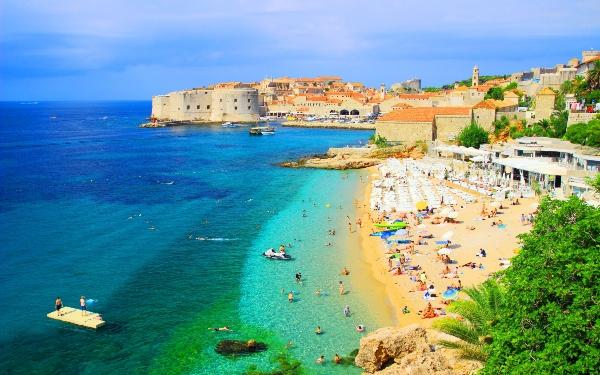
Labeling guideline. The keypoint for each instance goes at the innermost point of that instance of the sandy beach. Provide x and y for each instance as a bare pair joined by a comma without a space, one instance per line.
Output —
497,242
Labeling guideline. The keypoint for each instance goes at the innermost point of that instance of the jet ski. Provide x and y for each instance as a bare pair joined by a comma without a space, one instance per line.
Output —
272,254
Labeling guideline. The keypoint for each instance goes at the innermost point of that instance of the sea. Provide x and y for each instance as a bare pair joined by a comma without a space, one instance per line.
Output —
162,231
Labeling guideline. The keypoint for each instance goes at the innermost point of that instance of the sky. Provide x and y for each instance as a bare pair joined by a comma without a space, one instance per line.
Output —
119,49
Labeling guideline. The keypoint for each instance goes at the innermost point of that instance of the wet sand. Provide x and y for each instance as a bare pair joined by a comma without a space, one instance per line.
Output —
498,243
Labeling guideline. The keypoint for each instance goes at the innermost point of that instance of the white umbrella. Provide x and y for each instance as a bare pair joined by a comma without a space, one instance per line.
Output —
448,235
444,251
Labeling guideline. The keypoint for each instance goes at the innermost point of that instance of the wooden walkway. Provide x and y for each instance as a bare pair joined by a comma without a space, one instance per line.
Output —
74,316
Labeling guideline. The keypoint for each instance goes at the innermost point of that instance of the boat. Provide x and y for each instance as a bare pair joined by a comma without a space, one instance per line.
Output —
272,254
262,130
230,125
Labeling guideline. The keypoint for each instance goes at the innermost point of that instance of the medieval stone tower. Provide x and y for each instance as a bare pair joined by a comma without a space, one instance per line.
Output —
475,77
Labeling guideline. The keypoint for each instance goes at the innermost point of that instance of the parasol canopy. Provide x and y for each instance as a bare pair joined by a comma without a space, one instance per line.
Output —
421,205
450,294
444,251
448,235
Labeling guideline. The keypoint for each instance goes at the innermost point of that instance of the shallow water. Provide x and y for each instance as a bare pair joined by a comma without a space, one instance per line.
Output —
163,228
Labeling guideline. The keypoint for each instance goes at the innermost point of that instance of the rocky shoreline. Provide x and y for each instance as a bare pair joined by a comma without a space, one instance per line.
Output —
352,157
410,350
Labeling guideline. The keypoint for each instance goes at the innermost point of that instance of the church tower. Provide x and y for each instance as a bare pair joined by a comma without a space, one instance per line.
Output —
382,91
475,77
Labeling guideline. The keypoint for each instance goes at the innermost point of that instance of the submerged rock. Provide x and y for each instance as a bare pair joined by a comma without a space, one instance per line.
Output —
409,350
239,347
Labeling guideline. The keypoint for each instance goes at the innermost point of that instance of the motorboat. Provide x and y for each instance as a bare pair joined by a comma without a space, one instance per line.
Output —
230,125
262,130
272,254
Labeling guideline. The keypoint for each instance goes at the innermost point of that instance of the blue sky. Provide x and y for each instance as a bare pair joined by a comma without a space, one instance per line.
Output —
111,49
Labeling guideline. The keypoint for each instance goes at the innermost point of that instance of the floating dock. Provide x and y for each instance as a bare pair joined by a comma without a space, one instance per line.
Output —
86,319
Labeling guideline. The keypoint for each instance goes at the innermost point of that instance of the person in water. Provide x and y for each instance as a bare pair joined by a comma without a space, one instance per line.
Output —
337,359
341,289
218,329
318,293
345,272
282,249
58,305
83,305
318,330
320,360
291,296
298,277
360,328
347,311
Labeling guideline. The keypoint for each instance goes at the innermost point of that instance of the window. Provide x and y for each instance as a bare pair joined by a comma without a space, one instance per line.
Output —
198,106
235,100
208,107
249,107
220,100
188,107
235,108
248,100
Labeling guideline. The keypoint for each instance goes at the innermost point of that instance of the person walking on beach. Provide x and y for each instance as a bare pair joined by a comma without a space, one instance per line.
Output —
58,305
83,305
359,223
341,289
347,311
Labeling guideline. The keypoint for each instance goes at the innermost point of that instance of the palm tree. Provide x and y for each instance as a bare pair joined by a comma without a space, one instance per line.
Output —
477,317
593,77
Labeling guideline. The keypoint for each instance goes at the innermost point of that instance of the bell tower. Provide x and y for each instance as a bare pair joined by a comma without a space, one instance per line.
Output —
475,77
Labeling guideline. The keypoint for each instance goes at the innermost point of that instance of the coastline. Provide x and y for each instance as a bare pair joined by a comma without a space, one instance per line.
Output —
399,290
328,125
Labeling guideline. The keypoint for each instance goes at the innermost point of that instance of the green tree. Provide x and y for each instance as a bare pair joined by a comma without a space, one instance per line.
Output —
550,325
379,141
500,125
593,77
594,183
558,124
585,134
494,93
511,86
478,315
473,136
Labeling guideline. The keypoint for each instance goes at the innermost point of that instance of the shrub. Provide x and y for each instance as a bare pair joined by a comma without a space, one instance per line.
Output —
473,136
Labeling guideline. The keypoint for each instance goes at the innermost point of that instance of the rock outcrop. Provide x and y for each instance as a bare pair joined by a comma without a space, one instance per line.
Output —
337,158
410,350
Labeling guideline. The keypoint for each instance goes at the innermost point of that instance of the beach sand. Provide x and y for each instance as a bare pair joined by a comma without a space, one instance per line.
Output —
498,243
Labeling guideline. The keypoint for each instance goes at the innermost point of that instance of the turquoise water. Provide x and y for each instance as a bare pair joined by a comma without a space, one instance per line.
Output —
163,229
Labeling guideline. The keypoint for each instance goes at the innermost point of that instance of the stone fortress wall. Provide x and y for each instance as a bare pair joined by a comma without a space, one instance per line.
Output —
208,105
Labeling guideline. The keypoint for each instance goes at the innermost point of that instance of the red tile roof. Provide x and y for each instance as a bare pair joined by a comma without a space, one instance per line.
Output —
424,114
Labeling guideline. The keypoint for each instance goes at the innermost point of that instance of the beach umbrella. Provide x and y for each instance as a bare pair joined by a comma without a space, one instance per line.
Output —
421,205
443,242
448,235
495,204
445,251
450,294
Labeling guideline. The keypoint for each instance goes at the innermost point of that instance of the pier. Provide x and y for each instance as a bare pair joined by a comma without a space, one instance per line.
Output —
86,319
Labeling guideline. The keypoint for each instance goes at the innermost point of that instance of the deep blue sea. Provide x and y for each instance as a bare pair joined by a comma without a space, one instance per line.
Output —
162,230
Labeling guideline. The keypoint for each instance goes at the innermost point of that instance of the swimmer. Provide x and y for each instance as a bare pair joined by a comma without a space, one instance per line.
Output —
318,330
218,329
360,328
299,277
337,359
318,293
345,272
341,289
320,360
291,296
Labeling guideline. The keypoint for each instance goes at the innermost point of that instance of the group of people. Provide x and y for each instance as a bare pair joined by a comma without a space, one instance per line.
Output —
58,305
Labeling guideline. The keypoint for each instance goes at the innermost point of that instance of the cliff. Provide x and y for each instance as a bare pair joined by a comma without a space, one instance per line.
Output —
410,350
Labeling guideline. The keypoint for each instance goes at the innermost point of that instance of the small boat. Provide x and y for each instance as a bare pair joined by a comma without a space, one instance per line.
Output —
272,254
230,125
262,130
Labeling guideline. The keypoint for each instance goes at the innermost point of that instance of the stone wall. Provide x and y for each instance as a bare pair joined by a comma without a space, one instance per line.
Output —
447,127
208,105
485,117
405,132
576,117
